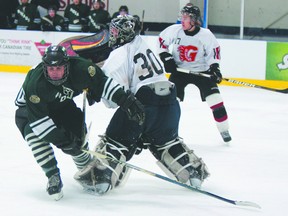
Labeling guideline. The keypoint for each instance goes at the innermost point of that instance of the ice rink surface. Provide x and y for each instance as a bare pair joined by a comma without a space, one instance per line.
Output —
253,167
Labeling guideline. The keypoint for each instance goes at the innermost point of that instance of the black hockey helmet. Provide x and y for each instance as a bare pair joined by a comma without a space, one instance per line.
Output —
123,29
55,56
193,12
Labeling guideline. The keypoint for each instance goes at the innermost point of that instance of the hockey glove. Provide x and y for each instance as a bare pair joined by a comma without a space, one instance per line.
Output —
168,61
216,75
90,98
133,107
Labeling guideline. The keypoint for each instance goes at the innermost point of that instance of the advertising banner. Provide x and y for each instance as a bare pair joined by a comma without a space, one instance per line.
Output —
277,61
26,48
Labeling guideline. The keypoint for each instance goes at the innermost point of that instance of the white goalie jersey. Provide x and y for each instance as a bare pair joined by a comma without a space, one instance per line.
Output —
195,53
133,65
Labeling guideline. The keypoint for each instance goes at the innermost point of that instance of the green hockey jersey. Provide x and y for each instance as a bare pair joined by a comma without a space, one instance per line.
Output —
40,96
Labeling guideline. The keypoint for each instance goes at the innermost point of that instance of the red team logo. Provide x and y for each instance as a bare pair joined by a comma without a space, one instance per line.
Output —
187,53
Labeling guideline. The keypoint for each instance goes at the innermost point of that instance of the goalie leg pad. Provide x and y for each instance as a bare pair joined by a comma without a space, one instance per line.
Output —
102,175
182,163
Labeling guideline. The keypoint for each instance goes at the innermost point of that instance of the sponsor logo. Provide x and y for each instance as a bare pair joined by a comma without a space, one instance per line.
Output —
41,46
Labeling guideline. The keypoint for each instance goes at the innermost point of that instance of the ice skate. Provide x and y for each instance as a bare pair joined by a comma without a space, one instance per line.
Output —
54,187
226,136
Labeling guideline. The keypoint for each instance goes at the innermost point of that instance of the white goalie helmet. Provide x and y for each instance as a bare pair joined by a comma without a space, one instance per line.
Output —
123,29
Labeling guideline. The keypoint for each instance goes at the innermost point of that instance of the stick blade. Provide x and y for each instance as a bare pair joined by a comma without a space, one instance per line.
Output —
248,204
285,91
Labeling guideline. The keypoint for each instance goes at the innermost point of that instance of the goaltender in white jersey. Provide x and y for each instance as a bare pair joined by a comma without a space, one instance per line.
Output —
135,66
141,69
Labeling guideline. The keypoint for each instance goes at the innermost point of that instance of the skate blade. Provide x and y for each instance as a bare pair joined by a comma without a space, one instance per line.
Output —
57,196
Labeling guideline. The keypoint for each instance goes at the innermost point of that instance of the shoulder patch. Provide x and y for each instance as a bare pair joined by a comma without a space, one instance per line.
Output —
34,99
91,71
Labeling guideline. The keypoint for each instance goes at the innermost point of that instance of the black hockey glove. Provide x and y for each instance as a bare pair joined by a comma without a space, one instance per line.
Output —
90,98
169,62
216,75
133,107
72,147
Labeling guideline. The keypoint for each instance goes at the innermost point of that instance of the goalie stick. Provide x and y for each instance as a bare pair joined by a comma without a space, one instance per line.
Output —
285,91
234,202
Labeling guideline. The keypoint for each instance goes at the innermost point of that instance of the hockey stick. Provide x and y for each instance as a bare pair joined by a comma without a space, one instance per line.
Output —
84,117
142,22
285,91
234,202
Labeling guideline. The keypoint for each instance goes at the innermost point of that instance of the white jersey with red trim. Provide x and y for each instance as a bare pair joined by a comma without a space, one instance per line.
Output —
134,65
195,53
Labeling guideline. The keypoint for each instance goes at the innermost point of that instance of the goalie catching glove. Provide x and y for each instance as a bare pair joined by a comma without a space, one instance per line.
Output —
216,75
169,62
133,107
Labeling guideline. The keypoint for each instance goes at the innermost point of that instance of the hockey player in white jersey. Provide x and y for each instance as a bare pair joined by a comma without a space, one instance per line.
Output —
134,65
195,49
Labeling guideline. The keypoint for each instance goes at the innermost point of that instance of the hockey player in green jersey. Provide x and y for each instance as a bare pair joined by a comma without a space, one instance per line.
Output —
27,16
52,21
47,113
76,16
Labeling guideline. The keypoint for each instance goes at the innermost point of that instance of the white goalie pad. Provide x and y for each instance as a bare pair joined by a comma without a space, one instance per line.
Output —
193,170
102,175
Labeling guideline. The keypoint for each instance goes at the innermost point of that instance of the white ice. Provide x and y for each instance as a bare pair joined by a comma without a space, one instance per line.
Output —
253,167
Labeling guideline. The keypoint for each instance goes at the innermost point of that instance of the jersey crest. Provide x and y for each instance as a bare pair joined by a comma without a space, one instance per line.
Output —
187,53
34,99
66,94
91,71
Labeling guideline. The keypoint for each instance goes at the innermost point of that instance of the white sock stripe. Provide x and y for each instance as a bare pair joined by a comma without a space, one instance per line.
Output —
29,136
81,162
84,154
47,159
38,150
44,154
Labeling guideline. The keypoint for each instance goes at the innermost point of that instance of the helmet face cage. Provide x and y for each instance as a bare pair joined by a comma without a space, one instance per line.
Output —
193,12
123,29
55,56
